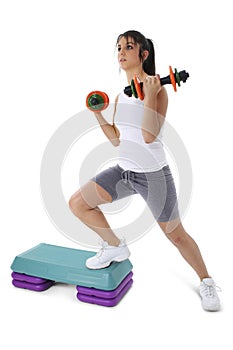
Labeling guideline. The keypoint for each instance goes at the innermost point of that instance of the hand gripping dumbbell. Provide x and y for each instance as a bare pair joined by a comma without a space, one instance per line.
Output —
174,78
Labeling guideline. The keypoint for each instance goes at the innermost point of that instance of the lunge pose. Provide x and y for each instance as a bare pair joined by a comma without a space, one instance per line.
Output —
142,167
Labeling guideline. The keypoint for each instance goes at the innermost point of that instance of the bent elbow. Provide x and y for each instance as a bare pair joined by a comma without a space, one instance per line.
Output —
115,142
149,139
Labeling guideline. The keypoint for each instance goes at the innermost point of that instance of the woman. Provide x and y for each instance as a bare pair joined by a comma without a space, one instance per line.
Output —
142,167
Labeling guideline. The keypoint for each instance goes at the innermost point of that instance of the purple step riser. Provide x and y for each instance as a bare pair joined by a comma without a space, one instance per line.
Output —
27,278
103,301
106,294
32,286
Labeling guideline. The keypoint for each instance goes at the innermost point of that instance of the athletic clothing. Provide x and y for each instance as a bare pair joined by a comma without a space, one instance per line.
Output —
134,153
142,168
156,188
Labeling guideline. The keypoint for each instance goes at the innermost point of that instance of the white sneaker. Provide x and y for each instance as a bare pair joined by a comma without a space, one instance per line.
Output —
209,296
108,254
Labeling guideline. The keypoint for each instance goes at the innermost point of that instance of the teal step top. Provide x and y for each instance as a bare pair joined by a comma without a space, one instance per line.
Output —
67,265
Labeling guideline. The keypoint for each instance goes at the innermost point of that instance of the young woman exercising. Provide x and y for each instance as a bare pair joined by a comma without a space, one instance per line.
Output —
142,168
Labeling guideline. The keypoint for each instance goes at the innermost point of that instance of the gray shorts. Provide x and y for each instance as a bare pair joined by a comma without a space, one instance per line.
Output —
157,189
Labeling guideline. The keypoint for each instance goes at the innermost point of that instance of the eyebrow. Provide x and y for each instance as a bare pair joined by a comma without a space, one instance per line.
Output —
128,42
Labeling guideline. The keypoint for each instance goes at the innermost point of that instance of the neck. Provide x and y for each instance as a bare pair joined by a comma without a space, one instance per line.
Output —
138,72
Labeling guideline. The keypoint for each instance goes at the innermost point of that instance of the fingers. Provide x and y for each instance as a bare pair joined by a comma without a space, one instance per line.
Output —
151,85
152,78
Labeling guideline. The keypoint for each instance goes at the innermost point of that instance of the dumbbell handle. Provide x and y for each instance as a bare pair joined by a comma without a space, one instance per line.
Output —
183,76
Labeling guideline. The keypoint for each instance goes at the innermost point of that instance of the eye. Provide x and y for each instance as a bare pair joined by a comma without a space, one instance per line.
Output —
119,49
129,47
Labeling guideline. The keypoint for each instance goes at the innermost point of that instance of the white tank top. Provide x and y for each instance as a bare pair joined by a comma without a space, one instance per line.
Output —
135,154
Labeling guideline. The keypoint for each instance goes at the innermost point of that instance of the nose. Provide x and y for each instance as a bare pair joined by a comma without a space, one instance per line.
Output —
121,52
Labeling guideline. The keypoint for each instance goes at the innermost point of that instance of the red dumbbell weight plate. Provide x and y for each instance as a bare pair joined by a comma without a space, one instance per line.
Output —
97,101
172,77
138,88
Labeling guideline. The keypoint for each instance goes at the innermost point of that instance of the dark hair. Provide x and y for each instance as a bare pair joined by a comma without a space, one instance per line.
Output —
145,44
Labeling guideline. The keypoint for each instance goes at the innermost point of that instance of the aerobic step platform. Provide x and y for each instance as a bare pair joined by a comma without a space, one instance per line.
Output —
40,267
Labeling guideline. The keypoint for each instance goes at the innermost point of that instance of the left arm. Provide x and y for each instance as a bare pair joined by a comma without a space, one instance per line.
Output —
155,108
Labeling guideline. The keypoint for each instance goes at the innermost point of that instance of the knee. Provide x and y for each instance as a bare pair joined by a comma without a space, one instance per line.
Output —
77,204
73,203
175,233
178,239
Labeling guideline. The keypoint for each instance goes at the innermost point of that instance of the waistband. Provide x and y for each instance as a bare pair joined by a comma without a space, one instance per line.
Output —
127,175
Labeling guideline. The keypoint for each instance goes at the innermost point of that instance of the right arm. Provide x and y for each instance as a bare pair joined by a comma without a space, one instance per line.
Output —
110,130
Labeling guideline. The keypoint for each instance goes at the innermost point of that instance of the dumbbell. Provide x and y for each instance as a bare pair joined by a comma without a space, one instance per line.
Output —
174,78
97,101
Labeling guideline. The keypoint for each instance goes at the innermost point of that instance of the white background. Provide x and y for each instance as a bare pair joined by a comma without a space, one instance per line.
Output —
52,54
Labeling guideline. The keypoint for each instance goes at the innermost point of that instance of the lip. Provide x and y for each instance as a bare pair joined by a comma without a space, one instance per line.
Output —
122,60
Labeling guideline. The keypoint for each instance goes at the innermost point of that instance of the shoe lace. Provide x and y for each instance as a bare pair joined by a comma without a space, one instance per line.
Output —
210,290
103,246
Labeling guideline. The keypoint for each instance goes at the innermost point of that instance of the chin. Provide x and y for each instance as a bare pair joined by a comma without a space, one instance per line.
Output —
123,67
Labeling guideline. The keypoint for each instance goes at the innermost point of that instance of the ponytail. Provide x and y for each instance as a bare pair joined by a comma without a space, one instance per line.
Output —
149,64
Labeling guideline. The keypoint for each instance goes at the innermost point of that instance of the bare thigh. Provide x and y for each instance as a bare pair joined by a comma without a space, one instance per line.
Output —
90,195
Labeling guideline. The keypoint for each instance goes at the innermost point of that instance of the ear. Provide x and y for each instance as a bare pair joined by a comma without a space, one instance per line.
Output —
145,55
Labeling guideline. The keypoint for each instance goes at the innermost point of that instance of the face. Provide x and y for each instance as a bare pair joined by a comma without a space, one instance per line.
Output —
128,54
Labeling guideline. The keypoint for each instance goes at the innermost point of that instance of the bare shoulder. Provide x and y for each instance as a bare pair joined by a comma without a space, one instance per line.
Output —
115,105
116,99
162,101
113,119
